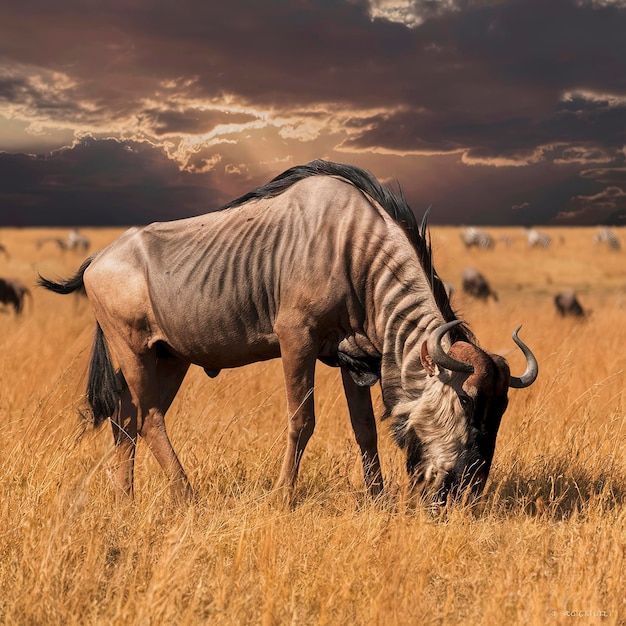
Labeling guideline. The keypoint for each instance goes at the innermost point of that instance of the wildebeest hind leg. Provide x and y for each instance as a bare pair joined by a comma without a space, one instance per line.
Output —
124,424
152,384
364,427
170,373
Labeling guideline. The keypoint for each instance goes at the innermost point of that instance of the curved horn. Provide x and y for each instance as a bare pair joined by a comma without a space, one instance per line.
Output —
532,367
438,354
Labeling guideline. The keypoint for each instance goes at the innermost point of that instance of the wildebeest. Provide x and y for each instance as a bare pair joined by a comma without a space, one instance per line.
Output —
472,237
567,304
476,285
322,262
13,292
73,241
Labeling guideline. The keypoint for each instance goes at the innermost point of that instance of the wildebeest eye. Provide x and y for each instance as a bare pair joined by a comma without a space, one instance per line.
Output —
467,404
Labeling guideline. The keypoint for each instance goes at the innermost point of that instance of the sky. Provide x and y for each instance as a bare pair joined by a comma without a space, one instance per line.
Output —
492,112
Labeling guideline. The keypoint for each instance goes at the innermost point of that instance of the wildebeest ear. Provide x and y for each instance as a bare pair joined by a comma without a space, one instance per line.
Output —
365,372
427,362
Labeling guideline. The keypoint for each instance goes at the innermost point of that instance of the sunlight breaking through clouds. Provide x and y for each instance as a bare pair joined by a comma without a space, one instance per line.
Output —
527,92
600,4
414,13
591,98
399,11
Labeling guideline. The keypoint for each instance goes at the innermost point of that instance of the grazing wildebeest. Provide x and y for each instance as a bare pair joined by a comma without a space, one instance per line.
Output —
476,285
13,291
73,241
567,304
323,262
472,237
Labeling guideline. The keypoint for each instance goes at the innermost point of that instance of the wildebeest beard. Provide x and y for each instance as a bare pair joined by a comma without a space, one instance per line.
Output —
466,479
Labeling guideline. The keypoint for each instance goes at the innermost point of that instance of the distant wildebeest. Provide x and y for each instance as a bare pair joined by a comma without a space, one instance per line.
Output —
538,239
322,262
74,241
608,237
476,285
472,237
567,304
13,292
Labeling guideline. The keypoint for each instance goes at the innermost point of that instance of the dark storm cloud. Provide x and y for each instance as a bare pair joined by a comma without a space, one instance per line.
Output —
193,121
610,176
577,122
509,78
11,88
535,83
99,183
501,59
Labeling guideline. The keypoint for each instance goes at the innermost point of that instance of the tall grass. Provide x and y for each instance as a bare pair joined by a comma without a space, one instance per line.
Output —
545,545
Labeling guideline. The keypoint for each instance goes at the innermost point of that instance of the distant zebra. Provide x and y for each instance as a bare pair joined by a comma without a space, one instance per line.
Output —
607,236
74,241
473,237
537,239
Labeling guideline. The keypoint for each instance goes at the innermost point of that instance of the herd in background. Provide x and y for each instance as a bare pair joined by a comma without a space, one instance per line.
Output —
477,286
74,241
13,291
474,238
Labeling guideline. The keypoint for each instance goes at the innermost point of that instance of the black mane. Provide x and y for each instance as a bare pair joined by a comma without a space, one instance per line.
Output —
395,205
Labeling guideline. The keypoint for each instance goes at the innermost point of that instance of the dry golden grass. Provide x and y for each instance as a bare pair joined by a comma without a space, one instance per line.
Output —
545,546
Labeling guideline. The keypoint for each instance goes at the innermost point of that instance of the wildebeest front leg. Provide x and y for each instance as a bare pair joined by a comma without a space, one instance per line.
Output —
298,358
364,427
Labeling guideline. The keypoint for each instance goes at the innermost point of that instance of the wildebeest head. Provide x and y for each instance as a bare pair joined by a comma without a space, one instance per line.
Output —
450,430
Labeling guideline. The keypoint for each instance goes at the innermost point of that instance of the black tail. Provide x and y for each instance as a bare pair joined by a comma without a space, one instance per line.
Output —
71,284
103,385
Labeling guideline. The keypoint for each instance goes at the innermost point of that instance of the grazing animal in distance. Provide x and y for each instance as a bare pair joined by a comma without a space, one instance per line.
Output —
60,243
476,285
567,304
13,291
608,237
74,241
4,251
323,262
538,239
472,237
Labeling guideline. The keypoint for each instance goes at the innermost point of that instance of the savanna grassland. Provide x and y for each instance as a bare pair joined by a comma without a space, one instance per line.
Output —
545,545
